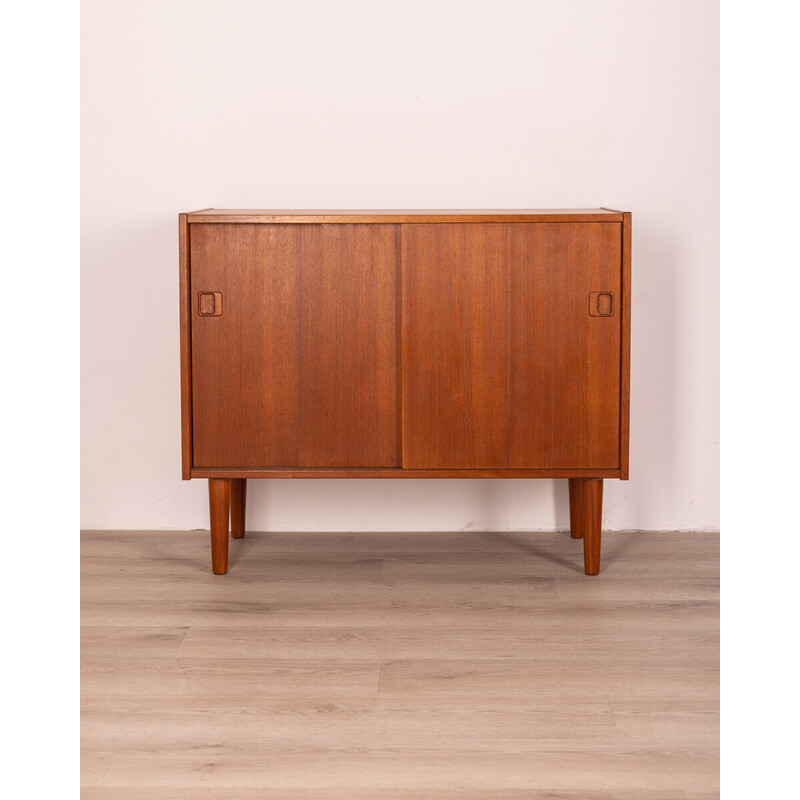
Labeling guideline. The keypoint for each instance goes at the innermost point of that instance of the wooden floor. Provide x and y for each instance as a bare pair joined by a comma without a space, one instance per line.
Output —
400,665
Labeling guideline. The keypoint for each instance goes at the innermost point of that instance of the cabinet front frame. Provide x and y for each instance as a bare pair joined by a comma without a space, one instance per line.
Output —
188,470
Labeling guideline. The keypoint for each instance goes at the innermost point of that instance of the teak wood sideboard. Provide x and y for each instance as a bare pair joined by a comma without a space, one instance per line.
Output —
405,344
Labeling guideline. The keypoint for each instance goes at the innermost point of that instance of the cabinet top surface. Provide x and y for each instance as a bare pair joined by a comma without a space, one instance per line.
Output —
406,216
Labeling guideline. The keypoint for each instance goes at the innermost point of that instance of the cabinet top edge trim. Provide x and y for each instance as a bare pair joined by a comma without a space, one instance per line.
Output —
404,216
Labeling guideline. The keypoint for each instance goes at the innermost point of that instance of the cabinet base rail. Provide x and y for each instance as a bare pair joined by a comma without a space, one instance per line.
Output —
227,502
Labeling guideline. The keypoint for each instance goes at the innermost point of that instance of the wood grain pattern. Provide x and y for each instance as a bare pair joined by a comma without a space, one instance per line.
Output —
373,216
397,665
301,368
502,365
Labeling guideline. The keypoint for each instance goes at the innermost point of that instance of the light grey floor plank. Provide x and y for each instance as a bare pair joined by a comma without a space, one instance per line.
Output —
452,665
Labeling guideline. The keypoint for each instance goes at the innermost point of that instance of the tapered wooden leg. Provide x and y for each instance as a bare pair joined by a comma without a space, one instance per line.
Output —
238,504
575,508
219,501
592,501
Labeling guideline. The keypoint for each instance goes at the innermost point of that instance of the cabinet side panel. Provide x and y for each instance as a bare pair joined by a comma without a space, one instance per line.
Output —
299,369
625,366
186,348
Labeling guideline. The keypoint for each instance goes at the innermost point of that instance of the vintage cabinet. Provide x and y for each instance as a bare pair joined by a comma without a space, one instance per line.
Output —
392,344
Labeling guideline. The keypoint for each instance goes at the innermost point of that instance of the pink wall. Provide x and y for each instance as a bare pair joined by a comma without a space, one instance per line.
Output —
436,103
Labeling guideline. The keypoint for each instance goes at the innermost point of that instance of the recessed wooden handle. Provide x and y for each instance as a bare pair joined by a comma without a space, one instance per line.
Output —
601,304
209,304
